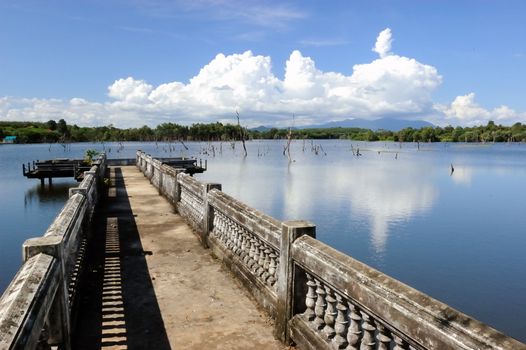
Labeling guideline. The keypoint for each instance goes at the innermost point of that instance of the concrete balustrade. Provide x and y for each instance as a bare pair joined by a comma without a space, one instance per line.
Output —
319,297
191,204
37,308
348,304
27,302
247,241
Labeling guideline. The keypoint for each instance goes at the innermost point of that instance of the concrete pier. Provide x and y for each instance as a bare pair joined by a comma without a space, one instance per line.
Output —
118,269
151,285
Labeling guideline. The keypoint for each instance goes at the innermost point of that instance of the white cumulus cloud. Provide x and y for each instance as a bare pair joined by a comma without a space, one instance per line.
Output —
383,43
130,90
464,110
389,86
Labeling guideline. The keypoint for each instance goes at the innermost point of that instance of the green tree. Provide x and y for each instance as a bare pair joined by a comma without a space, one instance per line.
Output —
52,125
62,126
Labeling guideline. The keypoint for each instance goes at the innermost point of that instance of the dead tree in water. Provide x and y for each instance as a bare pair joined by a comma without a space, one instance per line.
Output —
289,140
182,143
242,133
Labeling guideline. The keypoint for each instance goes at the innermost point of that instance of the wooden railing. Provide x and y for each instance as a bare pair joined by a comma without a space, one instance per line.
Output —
37,308
319,297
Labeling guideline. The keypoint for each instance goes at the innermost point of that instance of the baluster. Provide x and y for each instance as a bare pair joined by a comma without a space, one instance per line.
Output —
227,232
248,258
261,262
228,225
400,344
383,336
239,241
266,264
320,306
215,222
242,243
235,238
276,272
222,227
340,328
255,263
272,268
368,340
222,230
330,313
354,333
310,300
240,238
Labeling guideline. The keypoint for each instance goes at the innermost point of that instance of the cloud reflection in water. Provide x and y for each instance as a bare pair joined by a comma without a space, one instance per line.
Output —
379,193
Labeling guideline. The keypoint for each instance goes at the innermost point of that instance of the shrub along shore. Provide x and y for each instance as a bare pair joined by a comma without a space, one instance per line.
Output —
52,131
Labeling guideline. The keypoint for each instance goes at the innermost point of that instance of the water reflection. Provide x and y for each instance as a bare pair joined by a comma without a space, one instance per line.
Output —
404,215
462,175
373,192
387,193
39,194
376,192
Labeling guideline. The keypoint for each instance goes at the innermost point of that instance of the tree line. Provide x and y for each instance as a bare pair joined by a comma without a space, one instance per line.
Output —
484,133
52,131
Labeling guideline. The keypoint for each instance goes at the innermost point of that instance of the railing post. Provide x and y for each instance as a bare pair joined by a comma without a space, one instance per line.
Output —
177,195
59,315
161,179
208,216
289,282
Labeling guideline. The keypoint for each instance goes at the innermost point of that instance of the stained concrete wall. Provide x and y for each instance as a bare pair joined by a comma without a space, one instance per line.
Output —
43,292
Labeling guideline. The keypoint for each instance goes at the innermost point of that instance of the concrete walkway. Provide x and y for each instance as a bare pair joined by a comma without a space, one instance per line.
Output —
152,286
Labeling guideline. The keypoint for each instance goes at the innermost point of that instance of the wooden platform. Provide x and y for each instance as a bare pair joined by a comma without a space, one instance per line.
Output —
75,168
49,169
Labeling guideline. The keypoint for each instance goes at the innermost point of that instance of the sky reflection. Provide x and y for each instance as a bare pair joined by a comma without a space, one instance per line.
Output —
457,237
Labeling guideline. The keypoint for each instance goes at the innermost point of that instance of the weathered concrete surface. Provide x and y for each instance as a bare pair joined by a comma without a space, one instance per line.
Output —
154,286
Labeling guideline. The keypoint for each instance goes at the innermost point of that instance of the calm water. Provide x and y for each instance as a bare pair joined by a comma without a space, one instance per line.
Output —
459,237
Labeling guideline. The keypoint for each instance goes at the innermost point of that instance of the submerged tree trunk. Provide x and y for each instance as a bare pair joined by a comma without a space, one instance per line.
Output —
286,149
242,134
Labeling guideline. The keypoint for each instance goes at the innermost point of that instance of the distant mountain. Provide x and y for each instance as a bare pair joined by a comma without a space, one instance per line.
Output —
260,128
391,124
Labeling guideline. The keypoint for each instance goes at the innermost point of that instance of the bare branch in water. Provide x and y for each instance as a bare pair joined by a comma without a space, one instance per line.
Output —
242,133
185,147
286,149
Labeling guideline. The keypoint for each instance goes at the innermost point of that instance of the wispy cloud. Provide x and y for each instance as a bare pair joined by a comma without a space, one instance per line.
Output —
323,42
259,13
136,29
254,36
146,30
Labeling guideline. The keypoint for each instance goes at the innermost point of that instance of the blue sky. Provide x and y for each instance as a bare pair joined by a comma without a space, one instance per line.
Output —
132,62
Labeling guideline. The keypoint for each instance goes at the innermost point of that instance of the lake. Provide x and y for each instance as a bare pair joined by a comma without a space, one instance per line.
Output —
459,236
